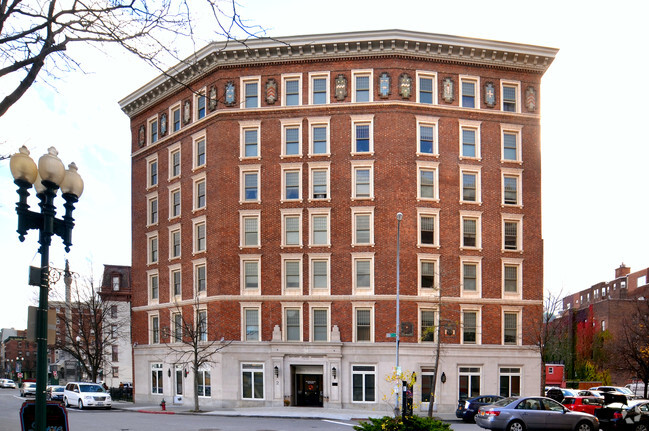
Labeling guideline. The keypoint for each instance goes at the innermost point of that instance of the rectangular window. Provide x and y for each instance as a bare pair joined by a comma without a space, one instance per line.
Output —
153,172
509,96
200,232
426,139
427,379
156,378
201,325
251,147
362,141
153,131
319,135
153,211
292,230
252,381
153,249
293,332
468,94
251,186
174,203
510,382
511,235
427,274
320,325
363,273
510,146
426,86
199,148
174,244
251,94
469,143
427,183
363,383
319,274
155,330
250,231
362,229
199,190
320,183
175,164
362,182
292,185
363,324
320,229
251,274
362,90
292,92
427,229
204,383
292,141
469,277
178,327
510,328
427,328
175,119
200,106
469,232
252,324
469,382
469,327
200,278
511,278
115,372
319,87
469,183
292,274
114,353
510,192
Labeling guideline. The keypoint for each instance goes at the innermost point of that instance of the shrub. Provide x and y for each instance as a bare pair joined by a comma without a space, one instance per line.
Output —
410,423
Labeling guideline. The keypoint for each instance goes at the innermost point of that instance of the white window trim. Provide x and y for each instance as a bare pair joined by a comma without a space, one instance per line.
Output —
435,291
363,305
243,258
362,164
195,223
515,129
197,179
242,90
149,275
201,92
172,149
149,237
195,264
292,305
362,211
430,122
362,257
319,75
351,371
248,169
476,81
291,77
519,324
291,167
247,306
477,260
478,241
471,169
319,306
172,189
319,122
173,229
426,74
249,125
292,257
172,108
196,138
426,306
470,124
203,369
314,166
201,308
518,218
428,166
149,161
516,84
263,373
151,316
175,268
291,124
360,120
320,257
478,335
149,198
363,72
434,212
291,212
512,172
317,212
243,214
149,136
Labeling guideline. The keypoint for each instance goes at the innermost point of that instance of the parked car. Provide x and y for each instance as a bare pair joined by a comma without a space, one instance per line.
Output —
28,388
54,393
82,394
7,383
623,414
467,408
590,393
583,404
558,394
625,391
533,414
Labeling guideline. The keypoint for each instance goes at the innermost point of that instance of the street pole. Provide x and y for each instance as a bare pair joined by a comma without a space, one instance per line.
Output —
398,390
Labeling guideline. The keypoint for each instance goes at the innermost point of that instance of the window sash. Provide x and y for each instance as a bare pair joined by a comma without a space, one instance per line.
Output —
427,274
470,327
468,94
362,182
427,330
469,142
511,278
252,324
292,230
251,274
469,271
319,91
320,325
320,228
319,184
292,274
509,98
426,90
363,325
250,143
363,228
250,186
293,325
511,190
427,227
427,183
363,274
251,94
292,92
362,138
251,231
469,232
469,187
292,138
510,328
362,88
320,274
200,152
200,278
426,139
510,146
511,236
319,139
292,184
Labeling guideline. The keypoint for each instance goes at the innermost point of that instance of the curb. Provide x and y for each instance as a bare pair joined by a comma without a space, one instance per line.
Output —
155,413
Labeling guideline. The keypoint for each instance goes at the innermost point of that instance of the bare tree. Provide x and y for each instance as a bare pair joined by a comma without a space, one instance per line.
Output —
189,341
632,345
548,331
35,35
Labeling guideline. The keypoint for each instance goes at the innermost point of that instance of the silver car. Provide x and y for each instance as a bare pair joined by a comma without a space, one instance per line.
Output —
532,414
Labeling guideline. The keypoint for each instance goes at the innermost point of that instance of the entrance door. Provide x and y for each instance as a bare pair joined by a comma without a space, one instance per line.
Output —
178,378
308,390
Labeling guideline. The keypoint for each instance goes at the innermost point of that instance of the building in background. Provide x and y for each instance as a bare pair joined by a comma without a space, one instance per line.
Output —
267,179
18,357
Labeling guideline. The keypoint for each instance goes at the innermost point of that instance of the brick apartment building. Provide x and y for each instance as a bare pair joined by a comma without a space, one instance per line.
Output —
265,191
18,357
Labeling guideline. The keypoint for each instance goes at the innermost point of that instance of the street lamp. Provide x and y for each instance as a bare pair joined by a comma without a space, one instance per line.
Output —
398,389
47,178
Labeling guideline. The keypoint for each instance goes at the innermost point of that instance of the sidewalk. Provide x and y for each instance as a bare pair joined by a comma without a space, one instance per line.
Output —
274,412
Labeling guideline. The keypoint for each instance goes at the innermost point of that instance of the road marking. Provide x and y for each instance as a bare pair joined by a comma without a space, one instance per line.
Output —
337,423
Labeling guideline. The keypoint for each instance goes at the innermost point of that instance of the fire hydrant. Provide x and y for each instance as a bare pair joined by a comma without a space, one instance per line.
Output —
163,404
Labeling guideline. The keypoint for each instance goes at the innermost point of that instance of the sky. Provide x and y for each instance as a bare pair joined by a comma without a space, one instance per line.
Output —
593,154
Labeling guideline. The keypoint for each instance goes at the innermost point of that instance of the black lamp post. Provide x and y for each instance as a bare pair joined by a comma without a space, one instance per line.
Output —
46,179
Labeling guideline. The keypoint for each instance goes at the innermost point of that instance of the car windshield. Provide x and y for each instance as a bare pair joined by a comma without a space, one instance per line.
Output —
91,388
59,389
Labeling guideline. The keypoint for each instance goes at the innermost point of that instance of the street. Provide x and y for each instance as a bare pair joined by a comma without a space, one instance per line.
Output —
122,420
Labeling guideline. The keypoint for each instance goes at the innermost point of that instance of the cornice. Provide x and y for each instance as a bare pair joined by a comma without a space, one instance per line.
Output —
337,46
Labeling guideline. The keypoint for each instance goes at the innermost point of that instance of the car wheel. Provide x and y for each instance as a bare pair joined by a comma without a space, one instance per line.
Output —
641,427
584,426
517,426
65,402
80,405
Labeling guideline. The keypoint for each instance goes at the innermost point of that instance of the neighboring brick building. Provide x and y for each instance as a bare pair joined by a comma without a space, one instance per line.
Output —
18,357
265,191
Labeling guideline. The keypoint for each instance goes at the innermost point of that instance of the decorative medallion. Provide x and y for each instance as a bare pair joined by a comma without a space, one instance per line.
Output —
530,99
230,98
212,98
271,91
489,95
141,136
163,124
405,86
384,85
448,90
187,112
341,87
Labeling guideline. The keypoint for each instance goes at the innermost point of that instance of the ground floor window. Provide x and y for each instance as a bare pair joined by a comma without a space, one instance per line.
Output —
156,378
510,382
204,383
179,379
427,378
469,382
252,381
363,383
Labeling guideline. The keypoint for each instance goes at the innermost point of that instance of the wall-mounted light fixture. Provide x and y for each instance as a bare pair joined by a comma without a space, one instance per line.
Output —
186,372
334,373
443,378
169,372
276,371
